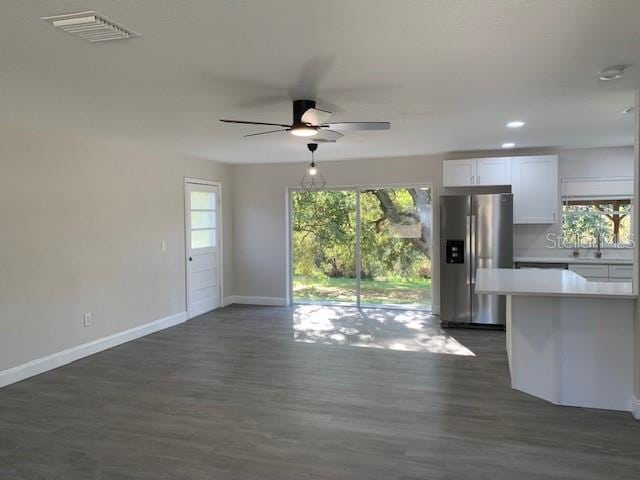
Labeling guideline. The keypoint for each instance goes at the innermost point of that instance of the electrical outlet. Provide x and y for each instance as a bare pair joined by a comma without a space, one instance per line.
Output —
163,246
88,320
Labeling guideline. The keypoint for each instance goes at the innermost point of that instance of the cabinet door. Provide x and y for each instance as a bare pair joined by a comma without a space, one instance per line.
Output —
535,189
622,272
591,271
459,173
493,171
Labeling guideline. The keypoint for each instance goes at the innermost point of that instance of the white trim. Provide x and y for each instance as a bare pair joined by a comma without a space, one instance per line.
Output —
435,308
219,234
200,181
251,300
289,246
58,359
226,301
358,251
635,407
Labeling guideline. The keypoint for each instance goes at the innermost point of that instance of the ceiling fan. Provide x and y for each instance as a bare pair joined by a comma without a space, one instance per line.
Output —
309,121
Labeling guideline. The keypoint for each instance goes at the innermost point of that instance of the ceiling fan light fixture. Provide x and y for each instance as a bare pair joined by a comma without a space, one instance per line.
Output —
312,180
304,131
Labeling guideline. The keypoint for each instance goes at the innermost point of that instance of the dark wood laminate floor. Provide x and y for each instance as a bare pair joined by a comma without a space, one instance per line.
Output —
231,395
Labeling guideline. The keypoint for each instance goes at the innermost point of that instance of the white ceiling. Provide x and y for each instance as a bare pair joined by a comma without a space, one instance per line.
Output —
448,74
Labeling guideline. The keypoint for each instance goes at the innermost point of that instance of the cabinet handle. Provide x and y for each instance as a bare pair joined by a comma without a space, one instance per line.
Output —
472,180
554,217
478,178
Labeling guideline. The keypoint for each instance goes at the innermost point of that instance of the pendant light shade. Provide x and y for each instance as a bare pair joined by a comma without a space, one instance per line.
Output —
313,180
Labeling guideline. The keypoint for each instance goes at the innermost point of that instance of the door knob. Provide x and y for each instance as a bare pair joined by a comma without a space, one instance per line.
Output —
190,259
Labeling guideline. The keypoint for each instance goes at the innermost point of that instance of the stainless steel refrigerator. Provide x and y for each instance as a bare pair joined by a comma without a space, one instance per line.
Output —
476,231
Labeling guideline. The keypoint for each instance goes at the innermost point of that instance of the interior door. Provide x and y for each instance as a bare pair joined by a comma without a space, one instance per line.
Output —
203,248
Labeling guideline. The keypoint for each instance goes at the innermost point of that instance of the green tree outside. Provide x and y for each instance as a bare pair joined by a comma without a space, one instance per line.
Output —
395,246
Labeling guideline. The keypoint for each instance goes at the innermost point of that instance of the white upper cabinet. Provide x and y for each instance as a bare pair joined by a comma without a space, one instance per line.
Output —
477,171
534,184
493,171
459,173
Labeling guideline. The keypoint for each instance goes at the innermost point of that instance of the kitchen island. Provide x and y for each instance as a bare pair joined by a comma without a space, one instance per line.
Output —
569,340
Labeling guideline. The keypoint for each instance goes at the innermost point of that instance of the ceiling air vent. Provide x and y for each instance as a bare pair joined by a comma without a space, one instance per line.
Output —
90,26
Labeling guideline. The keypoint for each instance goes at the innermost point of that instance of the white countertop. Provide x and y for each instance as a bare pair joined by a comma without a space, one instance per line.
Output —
546,283
570,259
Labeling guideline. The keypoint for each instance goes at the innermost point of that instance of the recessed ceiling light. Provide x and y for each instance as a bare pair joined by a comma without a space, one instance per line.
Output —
508,145
628,110
612,73
516,124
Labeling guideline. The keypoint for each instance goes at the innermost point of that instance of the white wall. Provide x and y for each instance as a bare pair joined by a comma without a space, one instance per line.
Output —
81,227
260,221
531,240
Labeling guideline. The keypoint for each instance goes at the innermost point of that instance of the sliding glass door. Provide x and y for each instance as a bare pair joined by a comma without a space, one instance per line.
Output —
363,247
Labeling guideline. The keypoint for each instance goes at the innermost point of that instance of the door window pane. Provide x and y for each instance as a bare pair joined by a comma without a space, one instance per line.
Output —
395,226
203,201
324,242
203,219
203,238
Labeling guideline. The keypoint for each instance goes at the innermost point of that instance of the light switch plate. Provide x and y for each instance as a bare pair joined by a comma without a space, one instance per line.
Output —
163,246
88,320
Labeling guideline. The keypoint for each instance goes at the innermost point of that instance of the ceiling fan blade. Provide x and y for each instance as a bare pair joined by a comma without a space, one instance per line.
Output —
270,131
315,116
345,126
256,123
326,136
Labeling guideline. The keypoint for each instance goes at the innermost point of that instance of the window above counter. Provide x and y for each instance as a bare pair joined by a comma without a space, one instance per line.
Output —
597,211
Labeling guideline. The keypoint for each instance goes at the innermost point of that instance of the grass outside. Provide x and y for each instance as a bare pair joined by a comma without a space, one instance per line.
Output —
415,291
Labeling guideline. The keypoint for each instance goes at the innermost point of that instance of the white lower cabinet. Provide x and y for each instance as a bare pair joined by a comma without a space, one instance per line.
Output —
591,271
621,271
604,272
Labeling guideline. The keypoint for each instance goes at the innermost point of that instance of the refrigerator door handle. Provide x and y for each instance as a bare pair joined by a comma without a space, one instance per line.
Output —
472,250
467,252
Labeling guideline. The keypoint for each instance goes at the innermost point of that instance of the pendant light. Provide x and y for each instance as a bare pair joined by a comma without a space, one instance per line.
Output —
312,180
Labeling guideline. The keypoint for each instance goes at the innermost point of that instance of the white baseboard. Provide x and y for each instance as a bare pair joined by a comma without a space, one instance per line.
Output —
635,407
58,359
226,301
249,300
